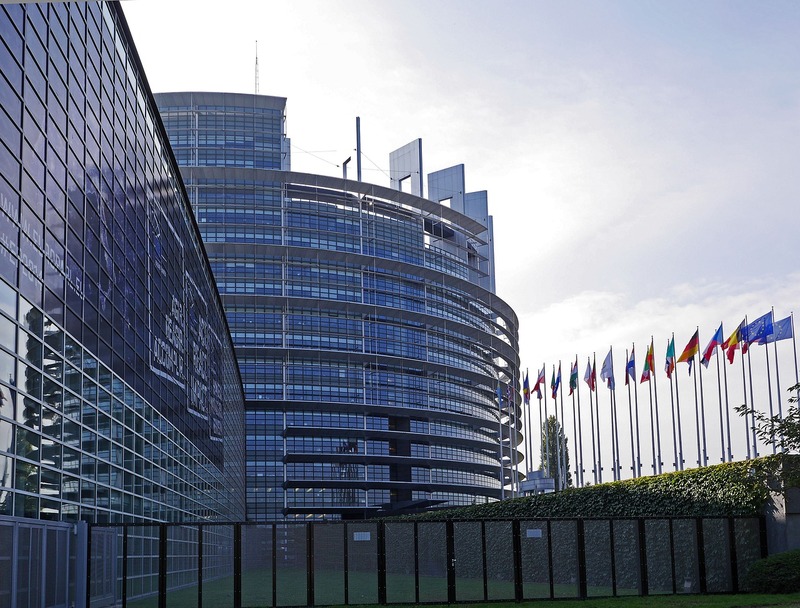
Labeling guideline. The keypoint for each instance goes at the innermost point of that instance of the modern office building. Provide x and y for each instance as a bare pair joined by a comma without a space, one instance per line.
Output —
120,399
370,341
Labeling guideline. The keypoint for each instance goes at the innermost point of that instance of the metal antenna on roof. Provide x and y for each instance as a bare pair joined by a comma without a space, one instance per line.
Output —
256,67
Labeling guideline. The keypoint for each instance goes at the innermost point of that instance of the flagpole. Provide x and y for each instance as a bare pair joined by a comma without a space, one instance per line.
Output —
546,430
526,420
752,402
613,389
721,415
794,346
539,398
638,465
591,416
597,415
630,407
777,384
575,423
769,392
658,424
727,407
652,416
678,455
517,430
579,436
697,421
500,425
744,396
702,401
681,460
563,451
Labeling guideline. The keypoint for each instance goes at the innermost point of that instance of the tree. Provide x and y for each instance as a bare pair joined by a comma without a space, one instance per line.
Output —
555,453
783,432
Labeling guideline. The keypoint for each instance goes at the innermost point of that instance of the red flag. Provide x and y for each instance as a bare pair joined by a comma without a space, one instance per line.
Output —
590,377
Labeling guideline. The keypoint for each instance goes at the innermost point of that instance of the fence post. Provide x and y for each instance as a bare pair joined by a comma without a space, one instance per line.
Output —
550,559
612,548
734,557
416,562
83,538
644,589
346,557
582,586
516,540
381,562
274,564
672,557
483,562
200,566
701,555
125,566
162,565
451,562
310,564
762,531
237,565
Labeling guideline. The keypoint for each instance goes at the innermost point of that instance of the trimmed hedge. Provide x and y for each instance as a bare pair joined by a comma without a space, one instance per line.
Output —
736,488
779,573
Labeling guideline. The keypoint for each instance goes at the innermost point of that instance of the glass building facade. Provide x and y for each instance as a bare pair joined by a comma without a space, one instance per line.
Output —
369,340
120,398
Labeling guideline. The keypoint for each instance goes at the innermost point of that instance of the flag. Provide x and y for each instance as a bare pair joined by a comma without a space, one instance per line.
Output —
590,377
692,348
669,364
607,371
732,343
716,340
526,390
556,381
781,330
756,330
648,364
539,382
630,368
573,376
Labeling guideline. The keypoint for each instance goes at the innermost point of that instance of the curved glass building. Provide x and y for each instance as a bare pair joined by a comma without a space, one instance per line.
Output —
120,398
370,342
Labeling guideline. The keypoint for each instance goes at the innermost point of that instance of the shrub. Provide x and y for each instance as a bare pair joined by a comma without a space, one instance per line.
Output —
779,573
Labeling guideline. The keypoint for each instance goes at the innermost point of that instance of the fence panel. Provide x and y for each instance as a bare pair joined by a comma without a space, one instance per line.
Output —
716,547
362,563
400,563
747,543
182,567
257,574
659,557
105,584
291,572
565,558
599,558
329,564
468,545
534,544
432,544
687,559
499,560
627,556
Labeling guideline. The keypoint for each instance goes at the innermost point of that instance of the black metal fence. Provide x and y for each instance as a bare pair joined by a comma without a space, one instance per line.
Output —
247,565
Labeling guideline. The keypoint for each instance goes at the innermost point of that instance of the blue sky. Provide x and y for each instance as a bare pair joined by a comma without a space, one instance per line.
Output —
641,158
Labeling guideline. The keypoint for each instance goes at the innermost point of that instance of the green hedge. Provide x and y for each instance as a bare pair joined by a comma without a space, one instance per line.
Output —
736,488
778,573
